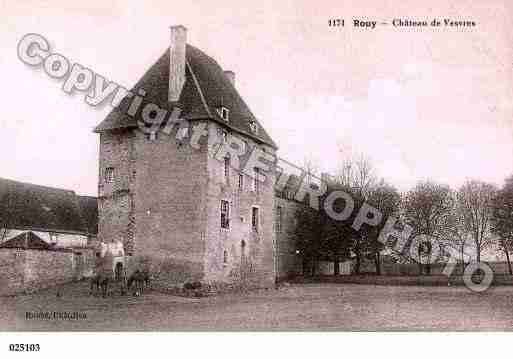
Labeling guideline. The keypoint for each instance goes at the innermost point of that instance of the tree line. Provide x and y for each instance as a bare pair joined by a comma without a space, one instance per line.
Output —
477,216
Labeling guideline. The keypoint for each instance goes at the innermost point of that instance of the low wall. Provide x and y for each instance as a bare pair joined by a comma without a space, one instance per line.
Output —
29,270
12,271
327,268
416,280
394,269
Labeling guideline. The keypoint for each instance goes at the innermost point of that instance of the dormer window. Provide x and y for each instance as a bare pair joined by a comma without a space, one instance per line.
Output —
224,113
253,126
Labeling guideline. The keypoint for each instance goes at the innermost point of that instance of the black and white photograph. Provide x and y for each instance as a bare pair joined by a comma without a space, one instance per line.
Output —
255,167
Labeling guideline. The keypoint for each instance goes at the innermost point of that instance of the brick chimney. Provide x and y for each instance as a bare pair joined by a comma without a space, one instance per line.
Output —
231,77
177,61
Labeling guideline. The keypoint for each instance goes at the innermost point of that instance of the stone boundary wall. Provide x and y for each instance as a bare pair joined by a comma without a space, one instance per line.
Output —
29,270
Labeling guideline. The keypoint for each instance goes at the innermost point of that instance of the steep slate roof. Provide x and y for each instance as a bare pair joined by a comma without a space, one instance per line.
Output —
206,88
29,206
27,240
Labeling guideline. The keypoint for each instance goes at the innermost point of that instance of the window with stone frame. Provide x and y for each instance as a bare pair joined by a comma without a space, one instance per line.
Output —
241,182
225,214
53,238
278,219
255,180
109,174
223,135
253,126
225,113
227,170
255,218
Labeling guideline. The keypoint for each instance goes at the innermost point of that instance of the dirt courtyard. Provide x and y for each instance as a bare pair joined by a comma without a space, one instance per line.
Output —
296,307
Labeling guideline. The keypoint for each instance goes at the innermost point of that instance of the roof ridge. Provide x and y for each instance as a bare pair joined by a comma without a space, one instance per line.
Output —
86,196
37,185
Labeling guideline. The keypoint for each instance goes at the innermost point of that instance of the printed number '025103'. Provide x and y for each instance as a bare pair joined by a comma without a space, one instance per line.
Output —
24,347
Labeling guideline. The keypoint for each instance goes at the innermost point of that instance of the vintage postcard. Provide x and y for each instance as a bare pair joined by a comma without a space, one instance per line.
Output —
256,166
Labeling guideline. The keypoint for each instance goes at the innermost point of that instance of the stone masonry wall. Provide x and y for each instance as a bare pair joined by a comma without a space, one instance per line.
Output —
11,266
47,268
115,198
249,255
169,210
29,270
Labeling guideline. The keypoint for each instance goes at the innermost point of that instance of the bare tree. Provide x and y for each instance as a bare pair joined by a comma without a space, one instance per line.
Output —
475,202
502,220
457,236
311,168
356,171
386,199
357,174
427,208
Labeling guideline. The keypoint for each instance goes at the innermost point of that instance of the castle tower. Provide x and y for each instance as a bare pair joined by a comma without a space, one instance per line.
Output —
178,206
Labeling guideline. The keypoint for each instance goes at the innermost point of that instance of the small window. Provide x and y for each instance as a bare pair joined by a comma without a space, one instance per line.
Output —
53,237
255,218
223,135
241,182
225,113
255,179
243,247
225,214
109,174
227,170
225,257
244,147
182,133
151,136
253,126
278,219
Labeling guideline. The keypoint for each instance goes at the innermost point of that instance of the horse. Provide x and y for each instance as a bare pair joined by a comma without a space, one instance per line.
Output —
147,278
101,282
141,279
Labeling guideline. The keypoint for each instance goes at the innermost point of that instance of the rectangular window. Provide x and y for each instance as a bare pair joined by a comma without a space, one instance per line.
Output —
53,237
255,180
182,133
225,214
255,218
225,113
241,182
253,126
223,135
278,219
109,174
227,170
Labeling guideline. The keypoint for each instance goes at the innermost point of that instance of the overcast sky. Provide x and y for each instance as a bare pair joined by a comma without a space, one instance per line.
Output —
421,103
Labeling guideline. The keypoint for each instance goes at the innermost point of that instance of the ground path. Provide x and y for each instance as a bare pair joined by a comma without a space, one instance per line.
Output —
297,307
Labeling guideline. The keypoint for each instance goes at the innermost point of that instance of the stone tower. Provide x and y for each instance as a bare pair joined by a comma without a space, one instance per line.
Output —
169,194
